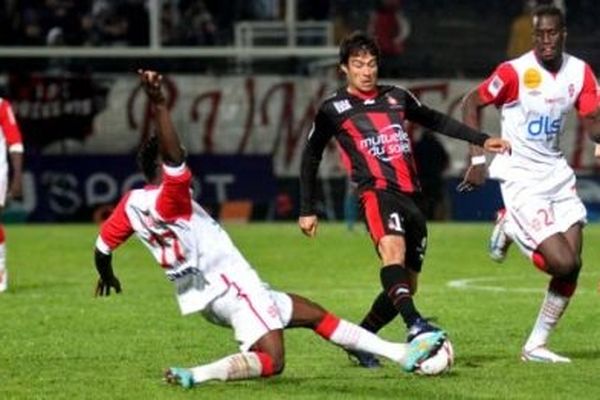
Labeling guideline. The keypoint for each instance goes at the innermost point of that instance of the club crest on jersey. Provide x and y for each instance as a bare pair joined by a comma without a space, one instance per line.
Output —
532,78
342,105
392,102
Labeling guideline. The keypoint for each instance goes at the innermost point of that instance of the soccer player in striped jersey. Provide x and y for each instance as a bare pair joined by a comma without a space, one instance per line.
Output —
543,214
369,123
10,142
212,277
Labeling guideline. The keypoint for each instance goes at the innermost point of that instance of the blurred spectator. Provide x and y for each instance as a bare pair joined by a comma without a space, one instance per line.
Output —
521,30
432,160
390,28
314,10
110,27
31,32
6,11
349,16
267,9
351,206
169,21
198,25
135,12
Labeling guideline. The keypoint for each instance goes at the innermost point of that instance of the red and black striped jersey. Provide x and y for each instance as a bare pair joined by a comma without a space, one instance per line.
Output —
371,132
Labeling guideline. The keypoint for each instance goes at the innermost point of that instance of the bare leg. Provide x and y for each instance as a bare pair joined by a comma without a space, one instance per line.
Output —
266,358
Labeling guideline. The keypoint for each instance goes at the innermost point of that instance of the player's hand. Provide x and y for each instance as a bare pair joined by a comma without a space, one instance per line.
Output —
497,145
103,286
474,178
152,83
308,225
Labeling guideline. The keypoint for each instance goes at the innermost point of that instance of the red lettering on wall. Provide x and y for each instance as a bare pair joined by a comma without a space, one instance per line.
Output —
214,100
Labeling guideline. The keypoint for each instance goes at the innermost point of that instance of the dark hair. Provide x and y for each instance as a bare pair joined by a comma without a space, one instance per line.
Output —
147,158
551,11
355,43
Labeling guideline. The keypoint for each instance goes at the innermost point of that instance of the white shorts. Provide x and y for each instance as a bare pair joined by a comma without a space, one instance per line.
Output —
250,307
3,188
538,211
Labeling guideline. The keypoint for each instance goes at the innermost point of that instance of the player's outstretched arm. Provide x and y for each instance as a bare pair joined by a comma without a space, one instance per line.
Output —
107,278
591,124
476,172
170,147
15,191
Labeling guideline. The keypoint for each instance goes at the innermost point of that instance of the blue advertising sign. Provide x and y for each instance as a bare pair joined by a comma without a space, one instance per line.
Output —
78,187
482,204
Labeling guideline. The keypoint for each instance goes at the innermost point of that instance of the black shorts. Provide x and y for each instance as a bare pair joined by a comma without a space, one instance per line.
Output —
396,214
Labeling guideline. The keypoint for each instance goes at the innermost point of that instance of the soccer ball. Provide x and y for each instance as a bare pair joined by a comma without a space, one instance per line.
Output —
438,363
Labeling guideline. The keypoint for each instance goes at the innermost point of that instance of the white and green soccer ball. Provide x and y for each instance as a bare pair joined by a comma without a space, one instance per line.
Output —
439,363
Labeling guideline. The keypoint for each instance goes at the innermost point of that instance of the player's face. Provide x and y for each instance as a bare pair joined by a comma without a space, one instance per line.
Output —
361,72
548,38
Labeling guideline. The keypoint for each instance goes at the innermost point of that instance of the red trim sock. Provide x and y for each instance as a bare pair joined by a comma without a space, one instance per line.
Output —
266,363
327,326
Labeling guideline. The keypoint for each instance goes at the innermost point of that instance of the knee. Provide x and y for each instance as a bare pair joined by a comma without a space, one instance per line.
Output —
278,365
392,250
565,266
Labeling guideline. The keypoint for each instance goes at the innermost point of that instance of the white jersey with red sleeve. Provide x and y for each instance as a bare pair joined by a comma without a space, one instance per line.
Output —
10,137
533,103
194,251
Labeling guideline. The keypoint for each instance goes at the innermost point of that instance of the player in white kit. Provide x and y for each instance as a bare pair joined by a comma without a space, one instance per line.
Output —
543,213
11,143
212,277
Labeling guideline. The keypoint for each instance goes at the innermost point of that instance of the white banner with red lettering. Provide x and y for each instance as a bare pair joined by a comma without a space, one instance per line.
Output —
265,115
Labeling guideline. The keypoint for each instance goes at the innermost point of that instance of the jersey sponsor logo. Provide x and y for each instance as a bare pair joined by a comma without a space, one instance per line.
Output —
369,102
495,85
342,105
390,143
544,125
532,78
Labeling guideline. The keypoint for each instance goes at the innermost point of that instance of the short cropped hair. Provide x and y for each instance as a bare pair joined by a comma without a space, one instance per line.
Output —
356,43
551,11
147,158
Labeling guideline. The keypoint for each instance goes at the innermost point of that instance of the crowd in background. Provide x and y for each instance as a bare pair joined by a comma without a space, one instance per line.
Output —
425,32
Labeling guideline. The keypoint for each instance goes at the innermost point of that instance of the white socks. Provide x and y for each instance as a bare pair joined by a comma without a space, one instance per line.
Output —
553,307
234,367
353,337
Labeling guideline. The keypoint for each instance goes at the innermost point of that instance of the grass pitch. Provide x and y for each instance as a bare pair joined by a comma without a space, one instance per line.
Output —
59,342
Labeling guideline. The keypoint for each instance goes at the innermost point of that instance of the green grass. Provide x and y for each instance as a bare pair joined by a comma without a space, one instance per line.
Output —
59,342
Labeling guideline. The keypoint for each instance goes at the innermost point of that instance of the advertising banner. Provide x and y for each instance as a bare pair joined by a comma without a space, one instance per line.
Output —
85,188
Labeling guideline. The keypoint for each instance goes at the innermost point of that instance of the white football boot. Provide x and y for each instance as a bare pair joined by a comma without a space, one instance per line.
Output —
499,241
542,354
